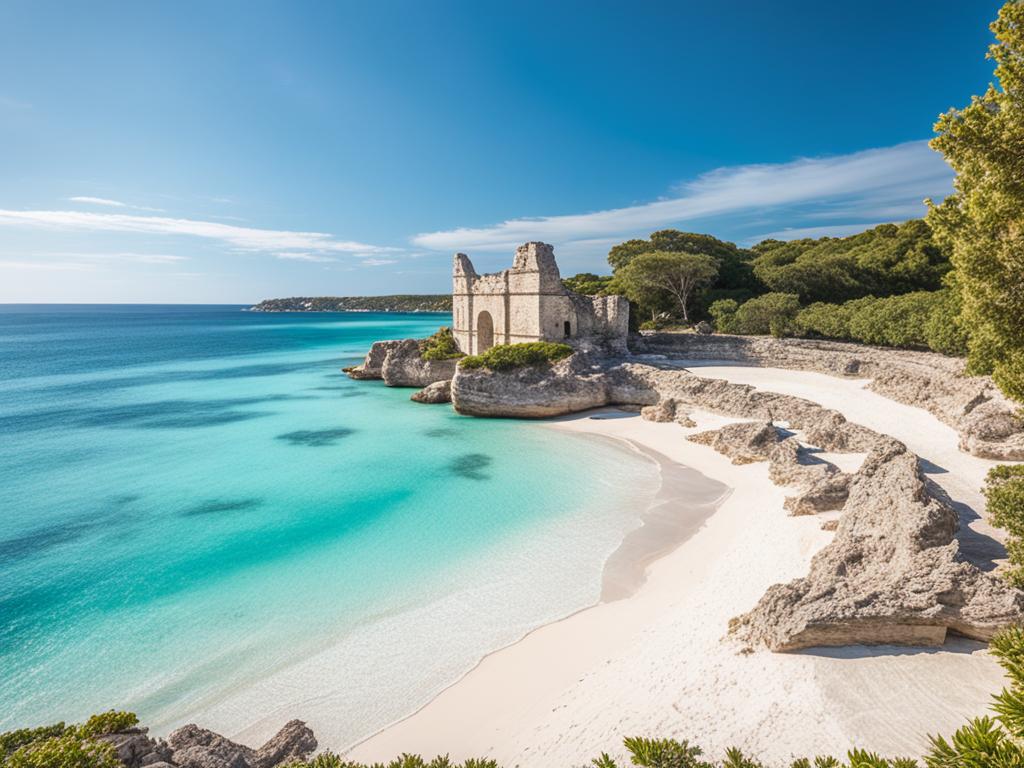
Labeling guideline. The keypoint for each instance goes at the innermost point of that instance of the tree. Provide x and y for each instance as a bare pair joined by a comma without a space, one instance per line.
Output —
983,220
734,270
665,272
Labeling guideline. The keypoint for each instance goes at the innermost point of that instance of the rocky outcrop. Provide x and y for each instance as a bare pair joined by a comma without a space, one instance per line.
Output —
194,747
988,423
892,574
136,750
744,443
667,410
399,364
574,384
438,392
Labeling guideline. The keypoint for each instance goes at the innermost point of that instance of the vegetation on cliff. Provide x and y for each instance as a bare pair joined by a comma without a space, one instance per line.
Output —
440,346
65,746
398,303
505,357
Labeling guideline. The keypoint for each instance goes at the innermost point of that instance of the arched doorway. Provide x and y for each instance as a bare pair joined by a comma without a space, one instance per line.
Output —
484,332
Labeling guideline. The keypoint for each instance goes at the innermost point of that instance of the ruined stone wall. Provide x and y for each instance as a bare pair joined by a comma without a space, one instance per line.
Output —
529,303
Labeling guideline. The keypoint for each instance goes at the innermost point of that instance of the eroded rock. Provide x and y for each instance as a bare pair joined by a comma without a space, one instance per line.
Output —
195,747
438,392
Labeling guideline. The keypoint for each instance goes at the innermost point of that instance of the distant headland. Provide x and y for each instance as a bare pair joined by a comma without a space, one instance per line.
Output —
399,303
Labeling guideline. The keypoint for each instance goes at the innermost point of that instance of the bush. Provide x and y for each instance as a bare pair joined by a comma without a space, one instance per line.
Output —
440,346
1004,496
722,312
505,357
331,760
772,313
63,746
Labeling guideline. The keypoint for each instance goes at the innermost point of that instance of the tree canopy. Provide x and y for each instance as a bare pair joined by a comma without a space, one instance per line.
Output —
660,275
983,221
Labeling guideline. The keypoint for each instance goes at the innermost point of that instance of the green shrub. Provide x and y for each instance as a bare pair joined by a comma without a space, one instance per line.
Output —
66,751
440,346
12,740
1004,497
505,357
772,313
331,760
722,312
107,722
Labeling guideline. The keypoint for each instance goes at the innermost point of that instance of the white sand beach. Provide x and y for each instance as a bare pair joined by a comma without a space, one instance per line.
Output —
657,663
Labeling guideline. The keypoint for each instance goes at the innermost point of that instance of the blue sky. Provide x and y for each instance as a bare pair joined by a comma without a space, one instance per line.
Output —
231,151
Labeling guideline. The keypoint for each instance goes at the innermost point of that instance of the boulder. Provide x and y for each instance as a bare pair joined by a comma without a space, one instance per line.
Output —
372,366
438,392
195,747
403,366
744,443
135,749
891,575
293,742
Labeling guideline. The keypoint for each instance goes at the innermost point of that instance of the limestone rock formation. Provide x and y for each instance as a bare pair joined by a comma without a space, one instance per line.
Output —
399,364
744,443
989,424
195,747
136,750
892,574
438,392
666,410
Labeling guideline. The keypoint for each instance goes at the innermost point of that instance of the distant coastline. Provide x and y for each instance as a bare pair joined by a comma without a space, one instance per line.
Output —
397,303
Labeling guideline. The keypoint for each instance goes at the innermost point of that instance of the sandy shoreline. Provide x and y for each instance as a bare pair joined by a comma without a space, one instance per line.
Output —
657,662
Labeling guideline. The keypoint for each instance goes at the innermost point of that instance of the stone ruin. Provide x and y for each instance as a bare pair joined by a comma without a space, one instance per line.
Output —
529,303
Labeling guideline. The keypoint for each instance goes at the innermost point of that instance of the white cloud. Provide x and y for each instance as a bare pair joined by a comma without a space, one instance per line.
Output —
898,176
378,262
110,203
52,266
98,201
245,238
305,257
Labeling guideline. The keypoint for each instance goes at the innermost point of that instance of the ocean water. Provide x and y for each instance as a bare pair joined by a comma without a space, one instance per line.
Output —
203,519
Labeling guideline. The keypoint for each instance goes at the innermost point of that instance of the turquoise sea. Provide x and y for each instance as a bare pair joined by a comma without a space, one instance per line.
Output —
203,519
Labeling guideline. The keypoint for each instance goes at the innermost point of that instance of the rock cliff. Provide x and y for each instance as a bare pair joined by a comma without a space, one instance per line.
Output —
399,364
193,747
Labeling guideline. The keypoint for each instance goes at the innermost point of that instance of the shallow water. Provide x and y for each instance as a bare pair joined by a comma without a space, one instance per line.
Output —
204,519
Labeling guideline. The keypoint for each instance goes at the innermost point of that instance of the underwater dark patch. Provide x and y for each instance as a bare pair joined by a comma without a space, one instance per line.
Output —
212,506
440,432
41,539
316,438
471,466
159,414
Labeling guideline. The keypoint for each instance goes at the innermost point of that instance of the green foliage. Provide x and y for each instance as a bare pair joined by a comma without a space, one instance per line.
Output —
722,312
735,274
331,760
921,319
589,284
889,259
66,751
1004,498
440,346
107,722
64,746
12,740
658,276
664,753
773,313
983,221
505,357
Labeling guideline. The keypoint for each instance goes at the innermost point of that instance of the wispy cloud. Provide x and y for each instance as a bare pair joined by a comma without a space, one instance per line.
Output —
305,257
373,262
244,238
892,177
86,199
50,266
